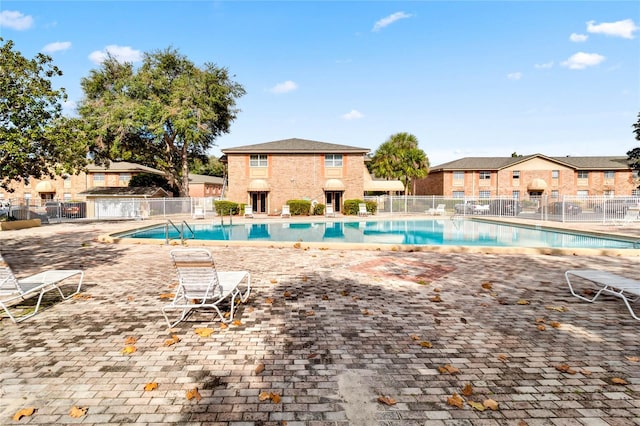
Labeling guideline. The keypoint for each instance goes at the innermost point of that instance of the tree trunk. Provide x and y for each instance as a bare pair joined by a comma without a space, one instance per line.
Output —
184,187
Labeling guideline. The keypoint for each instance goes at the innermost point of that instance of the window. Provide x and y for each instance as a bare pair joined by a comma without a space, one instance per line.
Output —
458,194
609,174
66,181
609,193
555,174
485,175
124,178
258,160
515,195
555,193
635,192
458,175
333,160
635,174
516,174
98,179
484,194
582,193
66,196
583,174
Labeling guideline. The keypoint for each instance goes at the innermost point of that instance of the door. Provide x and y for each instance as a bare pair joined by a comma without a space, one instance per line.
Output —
335,199
259,201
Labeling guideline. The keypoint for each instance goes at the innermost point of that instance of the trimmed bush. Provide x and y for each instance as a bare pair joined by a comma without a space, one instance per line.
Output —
299,207
225,208
351,207
318,209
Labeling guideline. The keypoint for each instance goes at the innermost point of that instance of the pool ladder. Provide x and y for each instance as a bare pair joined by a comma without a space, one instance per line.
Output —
181,231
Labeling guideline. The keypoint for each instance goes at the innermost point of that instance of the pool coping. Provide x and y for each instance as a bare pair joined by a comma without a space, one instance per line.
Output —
114,238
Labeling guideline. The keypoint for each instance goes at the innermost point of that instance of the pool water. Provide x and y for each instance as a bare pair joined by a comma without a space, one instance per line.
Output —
403,232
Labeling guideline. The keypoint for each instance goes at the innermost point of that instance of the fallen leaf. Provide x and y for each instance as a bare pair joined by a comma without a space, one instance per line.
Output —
151,386
619,381
540,320
523,423
268,301
455,400
554,324
25,412
286,294
414,337
557,308
586,372
264,396
565,369
236,323
304,278
223,325
467,390
129,349
476,405
130,340
275,398
274,281
325,297
204,332
437,290
503,357
259,368
633,358
344,293
386,400
167,295
490,404
487,285
77,412
541,327
366,312
448,368
174,339
309,313
522,302
436,298
193,393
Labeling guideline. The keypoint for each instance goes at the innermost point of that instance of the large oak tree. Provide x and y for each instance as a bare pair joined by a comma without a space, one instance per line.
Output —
634,154
164,114
400,158
35,139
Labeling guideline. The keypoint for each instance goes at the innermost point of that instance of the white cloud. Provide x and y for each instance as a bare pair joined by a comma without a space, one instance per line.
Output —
287,86
581,60
354,114
56,46
624,29
15,20
384,22
121,53
578,38
514,76
544,66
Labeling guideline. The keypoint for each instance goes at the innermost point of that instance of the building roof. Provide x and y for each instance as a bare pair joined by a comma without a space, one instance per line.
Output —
194,178
498,163
135,192
122,166
296,146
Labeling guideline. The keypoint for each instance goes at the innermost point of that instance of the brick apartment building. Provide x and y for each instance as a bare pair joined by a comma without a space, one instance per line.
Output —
266,175
530,175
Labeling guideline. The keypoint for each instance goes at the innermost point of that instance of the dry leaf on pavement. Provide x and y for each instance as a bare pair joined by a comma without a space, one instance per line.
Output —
455,400
150,386
25,412
386,400
77,411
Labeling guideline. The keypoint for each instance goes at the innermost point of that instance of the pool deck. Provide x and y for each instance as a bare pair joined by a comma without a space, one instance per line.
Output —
335,328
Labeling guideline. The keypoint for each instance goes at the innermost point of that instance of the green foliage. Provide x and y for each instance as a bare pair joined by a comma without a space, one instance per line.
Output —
151,180
352,207
318,209
35,139
161,115
225,208
210,166
634,154
400,158
299,207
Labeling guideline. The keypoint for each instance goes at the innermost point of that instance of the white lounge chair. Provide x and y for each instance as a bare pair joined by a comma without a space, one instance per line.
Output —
625,288
201,286
438,210
362,210
198,212
328,212
248,211
286,211
12,288
631,215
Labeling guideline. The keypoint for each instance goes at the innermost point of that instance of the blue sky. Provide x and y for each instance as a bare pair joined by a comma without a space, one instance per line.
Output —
472,78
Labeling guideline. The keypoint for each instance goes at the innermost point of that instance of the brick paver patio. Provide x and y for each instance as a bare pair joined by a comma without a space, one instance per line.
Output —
335,330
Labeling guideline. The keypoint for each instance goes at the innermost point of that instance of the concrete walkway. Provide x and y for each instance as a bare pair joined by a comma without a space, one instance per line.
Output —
334,329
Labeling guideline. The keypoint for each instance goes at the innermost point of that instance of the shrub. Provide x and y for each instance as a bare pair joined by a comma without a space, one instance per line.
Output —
318,209
353,206
225,208
299,207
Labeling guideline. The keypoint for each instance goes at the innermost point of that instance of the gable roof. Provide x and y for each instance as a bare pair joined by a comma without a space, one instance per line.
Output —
135,191
296,146
122,166
499,163
195,178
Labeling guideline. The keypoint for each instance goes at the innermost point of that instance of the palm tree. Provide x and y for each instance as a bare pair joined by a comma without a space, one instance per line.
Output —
400,158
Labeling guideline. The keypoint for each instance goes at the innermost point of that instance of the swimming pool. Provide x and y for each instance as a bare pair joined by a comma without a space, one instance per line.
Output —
441,232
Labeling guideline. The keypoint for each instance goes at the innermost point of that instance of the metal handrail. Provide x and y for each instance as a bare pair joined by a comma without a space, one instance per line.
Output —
193,234
180,230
